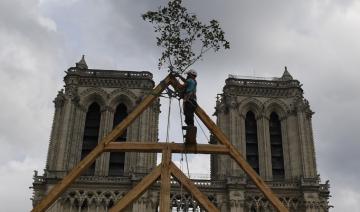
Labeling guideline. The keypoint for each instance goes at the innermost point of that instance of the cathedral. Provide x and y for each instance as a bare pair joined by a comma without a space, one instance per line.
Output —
267,119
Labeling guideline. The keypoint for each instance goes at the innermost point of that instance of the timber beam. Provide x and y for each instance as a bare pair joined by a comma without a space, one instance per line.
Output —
160,147
137,191
202,199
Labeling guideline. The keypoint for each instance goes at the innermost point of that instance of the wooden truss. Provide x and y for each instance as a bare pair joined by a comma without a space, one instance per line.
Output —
167,167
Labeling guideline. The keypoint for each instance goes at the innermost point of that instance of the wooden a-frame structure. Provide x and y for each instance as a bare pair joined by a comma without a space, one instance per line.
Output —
166,167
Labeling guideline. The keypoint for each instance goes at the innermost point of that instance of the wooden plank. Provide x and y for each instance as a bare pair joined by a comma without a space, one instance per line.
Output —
158,147
165,181
137,191
202,199
234,153
59,188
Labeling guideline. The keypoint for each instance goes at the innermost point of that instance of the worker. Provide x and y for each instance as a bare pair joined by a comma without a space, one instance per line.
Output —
189,99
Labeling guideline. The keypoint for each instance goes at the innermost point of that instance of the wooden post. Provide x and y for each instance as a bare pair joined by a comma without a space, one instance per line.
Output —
136,192
189,185
59,188
165,181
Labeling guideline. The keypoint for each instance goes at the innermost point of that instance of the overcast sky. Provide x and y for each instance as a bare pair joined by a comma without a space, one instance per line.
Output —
318,40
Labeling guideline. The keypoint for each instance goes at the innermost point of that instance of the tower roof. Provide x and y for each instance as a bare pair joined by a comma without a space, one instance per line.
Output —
286,75
82,63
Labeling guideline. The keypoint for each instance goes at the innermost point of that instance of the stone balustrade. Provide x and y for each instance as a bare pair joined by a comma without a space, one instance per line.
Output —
262,83
110,73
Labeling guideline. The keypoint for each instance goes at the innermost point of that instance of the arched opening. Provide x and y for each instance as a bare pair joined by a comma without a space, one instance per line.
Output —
117,159
91,134
277,158
252,152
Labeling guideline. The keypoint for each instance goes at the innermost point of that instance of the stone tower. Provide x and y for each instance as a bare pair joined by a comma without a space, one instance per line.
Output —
93,103
269,121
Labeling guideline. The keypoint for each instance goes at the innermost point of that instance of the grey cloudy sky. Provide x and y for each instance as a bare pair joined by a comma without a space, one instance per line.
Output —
317,39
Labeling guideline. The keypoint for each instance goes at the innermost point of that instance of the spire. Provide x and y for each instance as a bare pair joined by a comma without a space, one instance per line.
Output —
82,63
286,75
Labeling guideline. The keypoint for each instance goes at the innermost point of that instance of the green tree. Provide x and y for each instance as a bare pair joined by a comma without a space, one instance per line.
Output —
183,37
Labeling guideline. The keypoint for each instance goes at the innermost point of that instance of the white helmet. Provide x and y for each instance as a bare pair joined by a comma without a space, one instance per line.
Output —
192,72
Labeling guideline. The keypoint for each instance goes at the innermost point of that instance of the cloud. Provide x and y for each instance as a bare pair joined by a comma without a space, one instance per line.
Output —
30,59
317,40
16,178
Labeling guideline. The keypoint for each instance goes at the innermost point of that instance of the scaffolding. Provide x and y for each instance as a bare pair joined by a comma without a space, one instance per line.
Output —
166,168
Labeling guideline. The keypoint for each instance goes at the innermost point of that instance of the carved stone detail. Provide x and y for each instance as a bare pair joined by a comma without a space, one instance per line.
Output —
60,99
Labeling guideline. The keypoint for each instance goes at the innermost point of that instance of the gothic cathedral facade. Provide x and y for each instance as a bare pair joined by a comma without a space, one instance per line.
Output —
269,121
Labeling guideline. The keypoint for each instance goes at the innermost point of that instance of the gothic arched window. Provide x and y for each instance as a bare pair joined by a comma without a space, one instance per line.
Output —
252,153
277,158
91,134
117,159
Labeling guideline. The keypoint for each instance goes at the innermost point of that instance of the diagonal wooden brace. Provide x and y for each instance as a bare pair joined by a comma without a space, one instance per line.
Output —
190,186
237,156
137,191
234,153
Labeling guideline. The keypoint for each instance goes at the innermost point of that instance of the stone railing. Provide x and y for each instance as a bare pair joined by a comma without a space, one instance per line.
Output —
104,179
309,182
198,183
252,77
262,83
277,184
110,73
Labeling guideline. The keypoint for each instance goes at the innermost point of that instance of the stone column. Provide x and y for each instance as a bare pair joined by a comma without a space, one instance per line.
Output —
130,157
311,148
222,160
106,125
264,147
286,148
144,160
242,139
153,132
235,139
65,133
305,157
294,150
77,136
55,131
